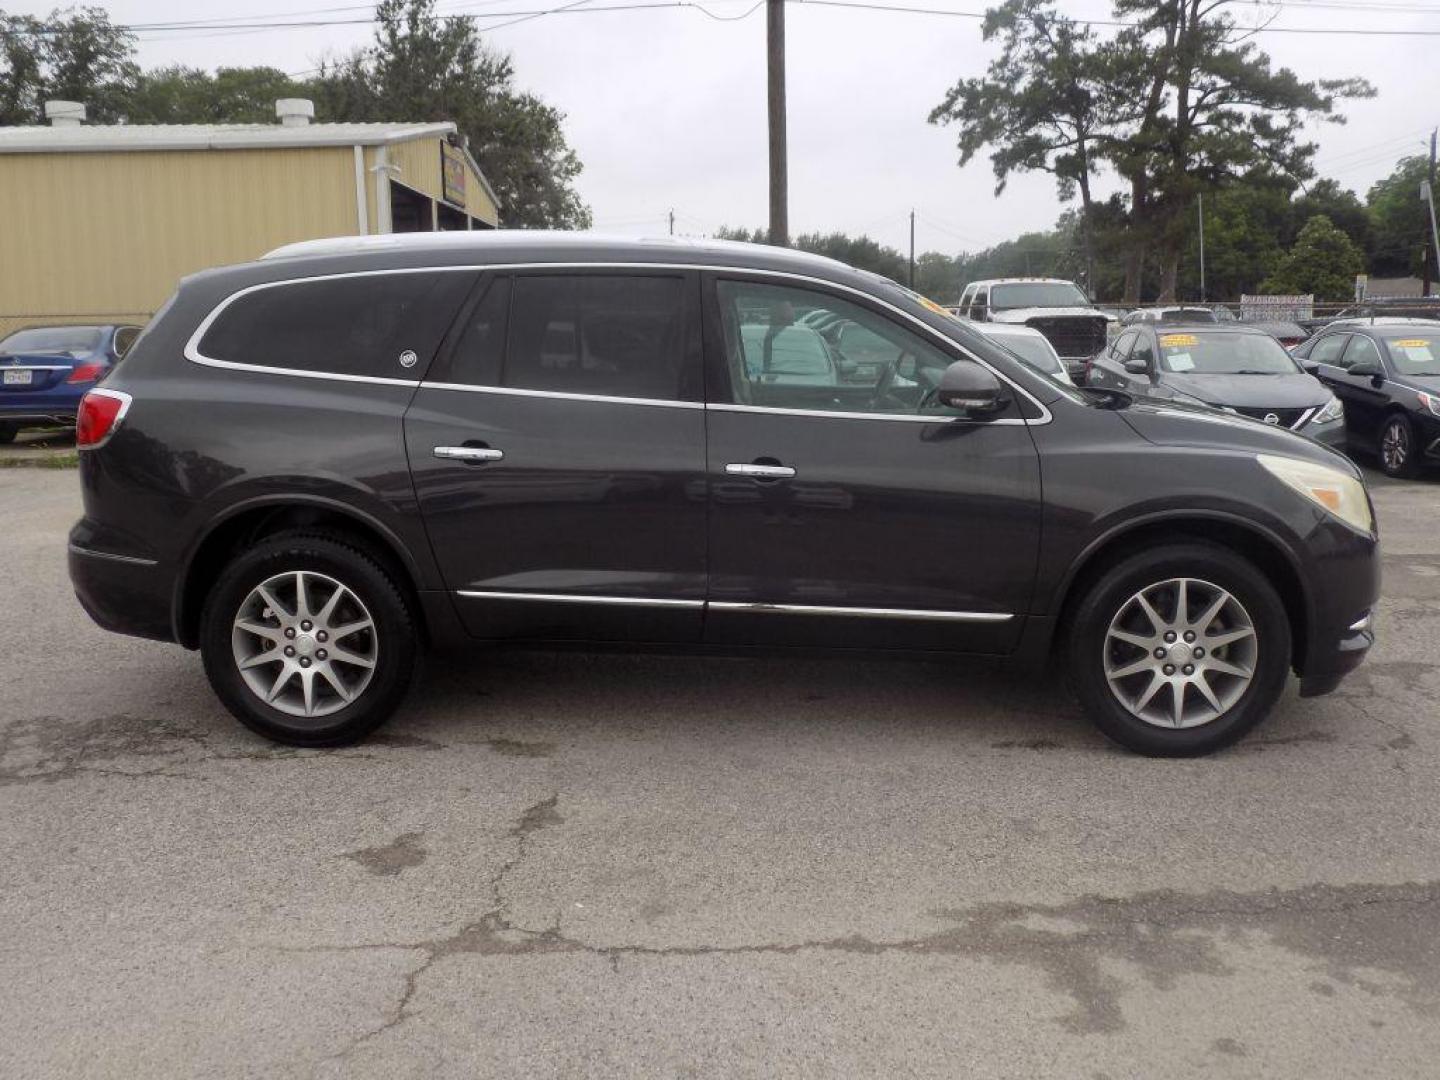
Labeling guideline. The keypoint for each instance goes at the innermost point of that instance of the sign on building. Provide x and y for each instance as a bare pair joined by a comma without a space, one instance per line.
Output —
452,174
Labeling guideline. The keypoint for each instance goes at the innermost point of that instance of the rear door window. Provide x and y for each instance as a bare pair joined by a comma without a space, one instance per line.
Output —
608,335
365,325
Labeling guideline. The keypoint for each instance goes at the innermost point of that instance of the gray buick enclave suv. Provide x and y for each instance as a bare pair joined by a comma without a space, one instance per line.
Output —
312,466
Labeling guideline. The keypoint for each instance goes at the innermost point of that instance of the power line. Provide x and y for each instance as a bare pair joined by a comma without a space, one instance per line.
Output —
239,23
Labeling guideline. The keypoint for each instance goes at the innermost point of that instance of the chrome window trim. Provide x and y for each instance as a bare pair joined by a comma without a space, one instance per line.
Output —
727,605
561,395
193,354
581,598
868,612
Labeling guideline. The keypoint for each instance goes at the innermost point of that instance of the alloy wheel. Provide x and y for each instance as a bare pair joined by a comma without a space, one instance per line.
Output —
1180,653
1395,446
304,643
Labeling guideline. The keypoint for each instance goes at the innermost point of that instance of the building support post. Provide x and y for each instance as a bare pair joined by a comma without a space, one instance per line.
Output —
362,202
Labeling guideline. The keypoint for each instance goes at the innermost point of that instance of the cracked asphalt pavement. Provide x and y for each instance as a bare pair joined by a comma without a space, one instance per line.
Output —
572,865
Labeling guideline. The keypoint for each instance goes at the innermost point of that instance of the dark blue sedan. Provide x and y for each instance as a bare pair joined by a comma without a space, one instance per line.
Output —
45,371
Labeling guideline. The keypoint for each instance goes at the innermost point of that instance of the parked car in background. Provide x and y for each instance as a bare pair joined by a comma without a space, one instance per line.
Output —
1227,366
1059,309
1417,307
1031,346
45,371
1170,315
314,463
1387,372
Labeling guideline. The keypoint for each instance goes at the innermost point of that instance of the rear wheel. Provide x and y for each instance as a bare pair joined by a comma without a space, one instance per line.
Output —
308,641
1397,446
1179,651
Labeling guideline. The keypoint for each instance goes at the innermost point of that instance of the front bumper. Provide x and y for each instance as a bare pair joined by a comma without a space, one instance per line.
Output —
1332,434
1344,582
1427,436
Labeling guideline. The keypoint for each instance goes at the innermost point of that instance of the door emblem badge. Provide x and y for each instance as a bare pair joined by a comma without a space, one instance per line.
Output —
408,359
1271,418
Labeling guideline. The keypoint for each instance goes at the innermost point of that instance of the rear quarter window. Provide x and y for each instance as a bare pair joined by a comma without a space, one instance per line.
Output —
367,325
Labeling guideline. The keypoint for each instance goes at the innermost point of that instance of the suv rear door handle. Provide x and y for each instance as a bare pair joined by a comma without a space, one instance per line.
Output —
766,472
469,453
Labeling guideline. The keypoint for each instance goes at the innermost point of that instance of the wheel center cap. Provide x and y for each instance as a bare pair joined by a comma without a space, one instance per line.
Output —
1180,653
305,645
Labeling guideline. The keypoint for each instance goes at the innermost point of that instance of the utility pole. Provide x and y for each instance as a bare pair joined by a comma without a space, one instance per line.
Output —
779,201
1429,195
1201,198
912,249
672,222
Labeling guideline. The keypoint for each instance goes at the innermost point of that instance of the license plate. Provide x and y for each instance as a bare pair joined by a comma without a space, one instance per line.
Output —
18,378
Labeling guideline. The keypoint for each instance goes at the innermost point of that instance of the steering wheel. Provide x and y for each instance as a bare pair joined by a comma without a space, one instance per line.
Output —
887,379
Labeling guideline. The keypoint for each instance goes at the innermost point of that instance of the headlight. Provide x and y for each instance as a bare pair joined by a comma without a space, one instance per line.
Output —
1332,490
1334,409
1430,401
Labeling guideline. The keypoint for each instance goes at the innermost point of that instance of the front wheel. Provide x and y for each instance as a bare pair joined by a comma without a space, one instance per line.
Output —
1180,650
1397,446
307,640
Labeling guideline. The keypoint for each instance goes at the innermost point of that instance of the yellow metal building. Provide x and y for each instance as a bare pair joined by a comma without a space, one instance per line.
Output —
101,222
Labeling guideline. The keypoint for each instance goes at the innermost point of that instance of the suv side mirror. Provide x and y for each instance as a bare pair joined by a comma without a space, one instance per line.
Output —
1136,367
1310,367
1366,371
967,386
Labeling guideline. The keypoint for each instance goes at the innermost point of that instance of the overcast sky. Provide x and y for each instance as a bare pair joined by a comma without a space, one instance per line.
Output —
667,108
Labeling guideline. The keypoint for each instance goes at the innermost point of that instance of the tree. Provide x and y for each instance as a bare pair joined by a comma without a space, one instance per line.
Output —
184,95
1177,103
1049,102
1401,221
1342,207
1323,262
71,55
426,67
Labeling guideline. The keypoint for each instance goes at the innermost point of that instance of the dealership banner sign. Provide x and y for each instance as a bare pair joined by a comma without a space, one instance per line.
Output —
1277,308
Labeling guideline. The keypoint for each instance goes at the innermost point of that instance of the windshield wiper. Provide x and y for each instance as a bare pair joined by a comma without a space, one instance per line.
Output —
1251,371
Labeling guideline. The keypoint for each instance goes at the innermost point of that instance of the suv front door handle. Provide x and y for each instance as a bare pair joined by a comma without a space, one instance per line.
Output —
764,472
469,453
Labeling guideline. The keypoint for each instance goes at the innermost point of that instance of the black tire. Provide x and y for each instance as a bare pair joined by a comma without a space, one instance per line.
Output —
1402,461
1087,643
394,638
8,431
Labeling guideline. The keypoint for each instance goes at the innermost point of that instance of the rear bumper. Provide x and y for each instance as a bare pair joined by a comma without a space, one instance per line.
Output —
122,593
57,405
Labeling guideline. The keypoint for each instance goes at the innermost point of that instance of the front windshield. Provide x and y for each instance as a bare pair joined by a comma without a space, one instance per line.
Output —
48,339
1414,354
1196,352
1037,294
1034,351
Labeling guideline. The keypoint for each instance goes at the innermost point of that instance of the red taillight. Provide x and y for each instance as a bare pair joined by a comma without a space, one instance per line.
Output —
86,373
99,415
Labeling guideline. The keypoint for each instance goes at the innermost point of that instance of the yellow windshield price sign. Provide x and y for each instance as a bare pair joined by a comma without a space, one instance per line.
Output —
1176,341
1413,343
